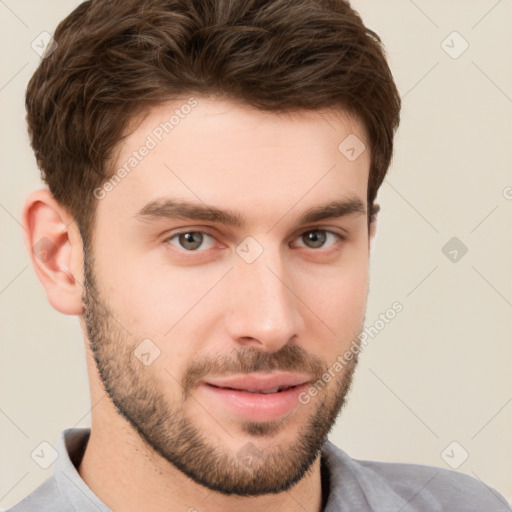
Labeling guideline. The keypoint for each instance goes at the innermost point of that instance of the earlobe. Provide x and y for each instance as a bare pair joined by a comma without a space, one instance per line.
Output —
55,249
372,231
372,225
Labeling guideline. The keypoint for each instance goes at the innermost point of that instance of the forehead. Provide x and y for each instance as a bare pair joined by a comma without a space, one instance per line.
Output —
221,154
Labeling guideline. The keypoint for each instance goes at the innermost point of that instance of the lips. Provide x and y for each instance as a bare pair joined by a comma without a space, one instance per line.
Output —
254,397
266,384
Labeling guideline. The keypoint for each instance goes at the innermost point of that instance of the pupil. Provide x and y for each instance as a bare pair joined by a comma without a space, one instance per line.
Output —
191,240
316,237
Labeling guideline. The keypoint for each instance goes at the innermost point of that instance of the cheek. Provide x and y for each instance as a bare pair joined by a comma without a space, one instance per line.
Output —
338,297
342,303
151,297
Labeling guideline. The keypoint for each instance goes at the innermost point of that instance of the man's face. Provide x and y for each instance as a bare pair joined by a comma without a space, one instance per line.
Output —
207,329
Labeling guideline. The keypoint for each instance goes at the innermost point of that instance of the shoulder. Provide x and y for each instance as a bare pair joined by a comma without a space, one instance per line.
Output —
45,498
433,488
419,487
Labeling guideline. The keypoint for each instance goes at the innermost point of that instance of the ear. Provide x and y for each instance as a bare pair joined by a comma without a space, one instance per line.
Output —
55,248
372,230
372,226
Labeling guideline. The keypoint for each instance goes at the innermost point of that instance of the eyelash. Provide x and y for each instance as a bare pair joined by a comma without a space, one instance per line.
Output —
339,236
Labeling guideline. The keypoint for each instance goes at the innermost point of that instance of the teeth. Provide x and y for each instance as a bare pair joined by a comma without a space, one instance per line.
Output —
264,391
273,390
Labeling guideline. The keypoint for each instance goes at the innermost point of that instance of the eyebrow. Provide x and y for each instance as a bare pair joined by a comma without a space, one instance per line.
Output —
181,209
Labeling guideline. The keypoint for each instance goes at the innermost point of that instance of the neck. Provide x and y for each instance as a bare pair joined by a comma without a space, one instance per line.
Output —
127,475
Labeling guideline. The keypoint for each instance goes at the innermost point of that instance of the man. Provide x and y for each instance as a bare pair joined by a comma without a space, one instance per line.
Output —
212,170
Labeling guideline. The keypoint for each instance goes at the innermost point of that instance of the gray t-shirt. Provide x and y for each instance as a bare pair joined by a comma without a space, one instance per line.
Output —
348,485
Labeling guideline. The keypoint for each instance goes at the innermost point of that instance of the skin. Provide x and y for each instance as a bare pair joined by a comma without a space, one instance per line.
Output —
207,308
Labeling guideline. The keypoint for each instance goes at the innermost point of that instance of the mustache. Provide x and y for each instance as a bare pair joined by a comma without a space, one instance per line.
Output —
290,358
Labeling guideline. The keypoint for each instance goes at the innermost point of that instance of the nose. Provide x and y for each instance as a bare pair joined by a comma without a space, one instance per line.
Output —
262,308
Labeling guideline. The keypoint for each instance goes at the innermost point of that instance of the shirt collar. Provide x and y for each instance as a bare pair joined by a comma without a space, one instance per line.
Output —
353,484
350,484
71,445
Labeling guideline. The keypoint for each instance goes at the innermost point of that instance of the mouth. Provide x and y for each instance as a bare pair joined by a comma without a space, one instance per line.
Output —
256,397
277,389
259,383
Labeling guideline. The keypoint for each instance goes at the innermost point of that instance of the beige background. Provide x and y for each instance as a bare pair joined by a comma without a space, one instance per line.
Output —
440,371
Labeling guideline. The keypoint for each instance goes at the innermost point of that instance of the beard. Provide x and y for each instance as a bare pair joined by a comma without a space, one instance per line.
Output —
139,396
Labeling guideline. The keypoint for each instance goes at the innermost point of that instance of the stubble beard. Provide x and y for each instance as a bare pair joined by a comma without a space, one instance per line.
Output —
138,395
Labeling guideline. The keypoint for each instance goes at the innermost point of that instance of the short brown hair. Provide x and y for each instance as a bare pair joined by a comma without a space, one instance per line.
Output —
116,58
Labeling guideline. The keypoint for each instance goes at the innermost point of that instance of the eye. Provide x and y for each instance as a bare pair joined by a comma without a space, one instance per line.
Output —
191,240
317,238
